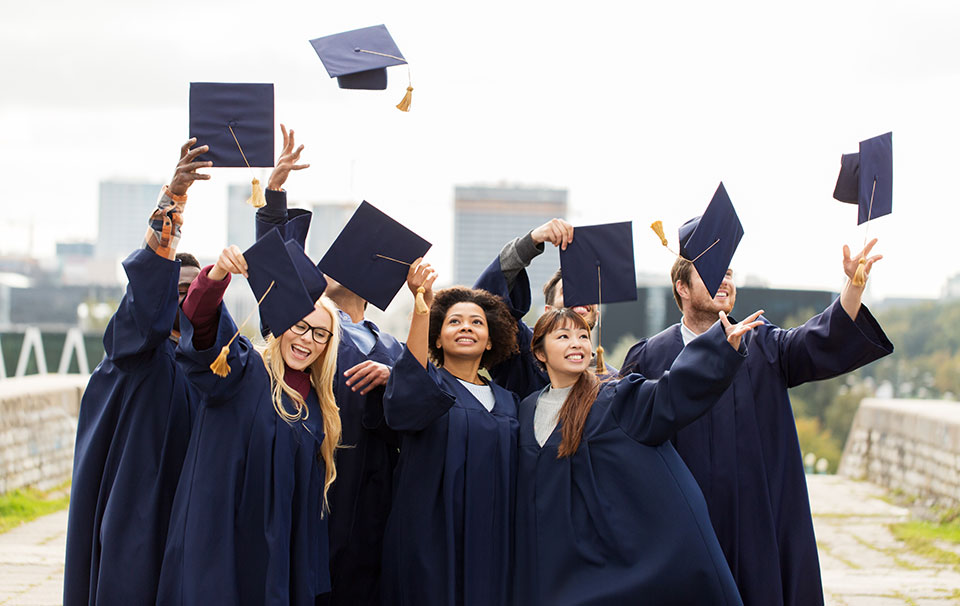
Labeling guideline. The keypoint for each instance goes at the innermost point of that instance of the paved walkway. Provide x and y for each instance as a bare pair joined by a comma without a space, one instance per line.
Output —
863,565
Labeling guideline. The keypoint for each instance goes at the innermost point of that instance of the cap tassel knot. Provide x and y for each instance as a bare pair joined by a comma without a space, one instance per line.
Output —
860,277
421,305
404,104
257,199
601,365
219,366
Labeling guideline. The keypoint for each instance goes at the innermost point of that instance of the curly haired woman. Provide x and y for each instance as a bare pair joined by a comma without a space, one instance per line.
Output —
450,532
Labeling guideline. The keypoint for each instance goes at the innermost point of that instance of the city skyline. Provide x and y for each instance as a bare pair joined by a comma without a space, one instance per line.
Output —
638,111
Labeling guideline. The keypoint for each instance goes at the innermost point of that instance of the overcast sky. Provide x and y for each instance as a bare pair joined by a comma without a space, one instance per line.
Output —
638,109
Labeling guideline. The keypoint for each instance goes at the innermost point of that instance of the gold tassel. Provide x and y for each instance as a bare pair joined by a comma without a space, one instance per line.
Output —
860,277
601,366
421,305
220,366
657,227
257,199
404,104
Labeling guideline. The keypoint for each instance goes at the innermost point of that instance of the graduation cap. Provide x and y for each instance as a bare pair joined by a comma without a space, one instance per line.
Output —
866,179
710,240
359,59
236,121
284,281
597,267
372,255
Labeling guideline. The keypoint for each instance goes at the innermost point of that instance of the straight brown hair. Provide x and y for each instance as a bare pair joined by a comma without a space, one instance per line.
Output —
573,413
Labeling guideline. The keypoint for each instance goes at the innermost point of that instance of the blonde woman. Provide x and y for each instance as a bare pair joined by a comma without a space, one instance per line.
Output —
248,523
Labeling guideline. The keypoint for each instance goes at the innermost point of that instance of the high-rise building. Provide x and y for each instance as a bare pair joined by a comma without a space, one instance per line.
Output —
241,227
487,217
123,213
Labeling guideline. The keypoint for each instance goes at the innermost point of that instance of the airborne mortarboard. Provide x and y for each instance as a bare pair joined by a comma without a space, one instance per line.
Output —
597,267
359,59
866,178
372,255
710,240
236,121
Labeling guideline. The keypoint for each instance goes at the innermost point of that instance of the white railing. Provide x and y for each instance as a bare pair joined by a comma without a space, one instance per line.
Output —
32,344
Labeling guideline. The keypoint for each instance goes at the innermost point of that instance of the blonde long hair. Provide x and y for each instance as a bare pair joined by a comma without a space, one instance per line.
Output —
322,374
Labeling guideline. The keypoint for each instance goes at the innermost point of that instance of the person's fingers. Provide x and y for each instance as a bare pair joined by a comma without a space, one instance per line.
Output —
413,269
753,316
846,254
186,146
192,166
360,371
283,131
724,321
296,154
299,166
198,176
868,247
428,283
193,153
567,233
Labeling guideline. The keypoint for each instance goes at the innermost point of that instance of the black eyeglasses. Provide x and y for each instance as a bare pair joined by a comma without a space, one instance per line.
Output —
320,335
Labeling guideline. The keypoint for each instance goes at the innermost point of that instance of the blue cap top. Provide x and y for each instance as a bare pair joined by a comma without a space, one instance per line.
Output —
371,256
359,58
866,178
598,267
711,239
216,107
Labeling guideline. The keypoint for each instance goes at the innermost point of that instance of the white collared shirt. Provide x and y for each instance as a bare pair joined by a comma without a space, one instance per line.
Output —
686,334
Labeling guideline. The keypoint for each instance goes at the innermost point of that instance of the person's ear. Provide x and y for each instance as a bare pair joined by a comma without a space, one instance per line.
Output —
540,356
683,289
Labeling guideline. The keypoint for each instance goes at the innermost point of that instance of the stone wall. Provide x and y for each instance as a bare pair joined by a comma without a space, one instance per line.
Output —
38,426
907,445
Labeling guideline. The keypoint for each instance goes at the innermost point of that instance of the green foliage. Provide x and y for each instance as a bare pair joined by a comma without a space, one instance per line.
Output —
819,441
27,504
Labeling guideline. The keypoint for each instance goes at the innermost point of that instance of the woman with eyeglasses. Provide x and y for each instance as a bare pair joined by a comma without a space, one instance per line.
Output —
248,523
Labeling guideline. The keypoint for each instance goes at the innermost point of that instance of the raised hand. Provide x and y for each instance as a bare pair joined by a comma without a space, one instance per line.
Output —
186,172
555,231
231,261
735,332
850,264
287,161
421,274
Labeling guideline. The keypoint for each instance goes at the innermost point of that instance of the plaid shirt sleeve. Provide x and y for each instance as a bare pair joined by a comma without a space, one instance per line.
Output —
163,234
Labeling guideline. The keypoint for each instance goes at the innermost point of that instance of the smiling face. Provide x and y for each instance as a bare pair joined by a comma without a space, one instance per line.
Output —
464,333
587,312
566,352
300,351
698,299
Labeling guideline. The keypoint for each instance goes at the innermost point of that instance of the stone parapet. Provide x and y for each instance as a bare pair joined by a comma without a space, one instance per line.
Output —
907,445
38,427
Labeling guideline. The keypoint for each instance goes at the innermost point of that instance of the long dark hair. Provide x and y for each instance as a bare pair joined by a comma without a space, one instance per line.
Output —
573,413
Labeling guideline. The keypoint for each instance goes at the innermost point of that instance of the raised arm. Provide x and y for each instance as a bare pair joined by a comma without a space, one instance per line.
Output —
148,309
292,222
651,411
842,338
414,397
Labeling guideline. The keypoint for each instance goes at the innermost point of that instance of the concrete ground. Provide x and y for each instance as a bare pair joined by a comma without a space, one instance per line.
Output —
862,563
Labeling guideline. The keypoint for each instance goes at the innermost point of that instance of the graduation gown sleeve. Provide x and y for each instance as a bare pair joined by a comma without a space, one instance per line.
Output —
132,432
414,397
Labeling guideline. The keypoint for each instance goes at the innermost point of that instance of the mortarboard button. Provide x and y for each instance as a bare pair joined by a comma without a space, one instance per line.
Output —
372,254
358,59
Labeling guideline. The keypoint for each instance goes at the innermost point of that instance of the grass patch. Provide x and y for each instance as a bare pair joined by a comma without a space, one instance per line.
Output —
919,537
27,504
889,552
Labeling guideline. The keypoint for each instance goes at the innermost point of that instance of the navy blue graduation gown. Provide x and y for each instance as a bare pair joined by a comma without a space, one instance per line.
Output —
622,521
246,526
449,536
745,454
132,434
361,496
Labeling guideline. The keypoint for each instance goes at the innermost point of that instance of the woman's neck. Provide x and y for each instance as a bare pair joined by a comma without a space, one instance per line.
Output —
562,380
466,369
